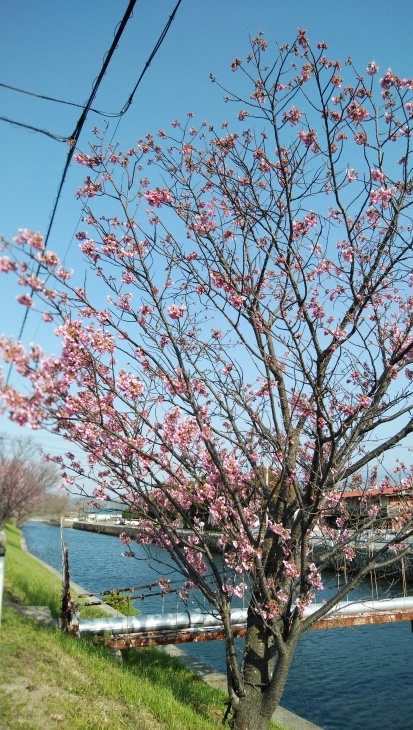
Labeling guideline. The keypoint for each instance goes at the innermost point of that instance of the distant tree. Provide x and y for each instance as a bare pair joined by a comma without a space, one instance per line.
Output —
55,504
82,508
252,315
25,480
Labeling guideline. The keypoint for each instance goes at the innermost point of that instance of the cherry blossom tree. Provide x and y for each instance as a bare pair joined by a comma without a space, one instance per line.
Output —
25,479
246,345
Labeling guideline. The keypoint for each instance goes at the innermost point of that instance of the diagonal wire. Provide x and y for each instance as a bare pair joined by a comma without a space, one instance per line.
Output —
151,57
75,135
44,97
110,115
33,129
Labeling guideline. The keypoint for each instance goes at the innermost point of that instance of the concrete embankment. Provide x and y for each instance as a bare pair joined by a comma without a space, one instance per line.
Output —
281,716
103,528
212,538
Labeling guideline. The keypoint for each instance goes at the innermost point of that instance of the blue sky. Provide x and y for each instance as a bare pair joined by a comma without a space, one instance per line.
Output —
57,48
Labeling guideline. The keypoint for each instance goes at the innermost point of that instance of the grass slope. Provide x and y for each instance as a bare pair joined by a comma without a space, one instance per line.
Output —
49,680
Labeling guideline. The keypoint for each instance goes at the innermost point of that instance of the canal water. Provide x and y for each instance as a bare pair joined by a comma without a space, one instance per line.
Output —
342,679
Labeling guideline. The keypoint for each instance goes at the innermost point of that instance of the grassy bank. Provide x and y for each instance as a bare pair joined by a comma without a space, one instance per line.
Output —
49,680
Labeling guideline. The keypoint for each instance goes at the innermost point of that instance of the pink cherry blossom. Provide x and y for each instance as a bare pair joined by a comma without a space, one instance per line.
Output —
382,195
90,189
377,176
7,265
176,312
129,384
308,138
87,160
357,112
360,138
34,240
293,116
26,300
158,197
351,175
388,80
372,68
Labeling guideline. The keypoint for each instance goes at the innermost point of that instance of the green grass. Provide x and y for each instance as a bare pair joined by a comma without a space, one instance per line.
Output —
26,580
122,603
50,680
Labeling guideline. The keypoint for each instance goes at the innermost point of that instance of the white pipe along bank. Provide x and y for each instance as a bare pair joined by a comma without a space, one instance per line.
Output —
196,619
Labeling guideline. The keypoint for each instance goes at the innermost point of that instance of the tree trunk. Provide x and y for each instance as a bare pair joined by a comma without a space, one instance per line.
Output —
265,675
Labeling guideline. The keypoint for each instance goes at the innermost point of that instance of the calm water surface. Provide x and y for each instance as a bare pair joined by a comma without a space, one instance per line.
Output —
342,679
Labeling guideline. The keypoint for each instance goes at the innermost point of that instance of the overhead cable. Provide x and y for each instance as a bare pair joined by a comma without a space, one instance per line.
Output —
14,123
75,136
57,101
111,115
151,57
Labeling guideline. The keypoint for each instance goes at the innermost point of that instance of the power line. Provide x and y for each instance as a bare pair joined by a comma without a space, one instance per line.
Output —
88,107
111,115
82,118
147,64
14,123
76,133
57,101
152,56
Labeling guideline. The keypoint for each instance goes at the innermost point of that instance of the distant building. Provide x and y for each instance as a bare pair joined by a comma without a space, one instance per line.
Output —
103,516
106,510
390,502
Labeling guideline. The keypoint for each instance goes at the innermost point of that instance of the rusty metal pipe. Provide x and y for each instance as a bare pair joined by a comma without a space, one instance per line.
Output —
350,608
157,622
197,620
